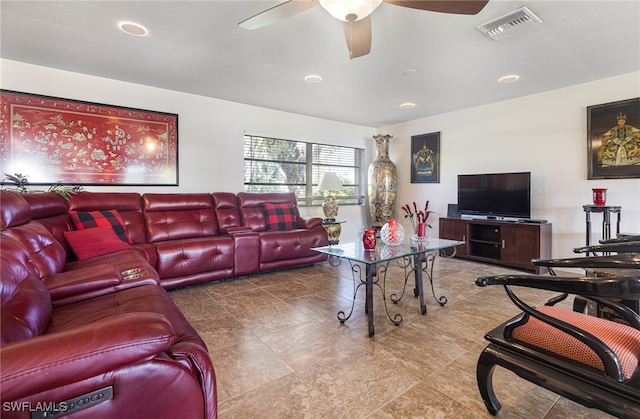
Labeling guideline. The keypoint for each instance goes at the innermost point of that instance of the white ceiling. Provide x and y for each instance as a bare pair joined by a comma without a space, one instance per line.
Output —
197,47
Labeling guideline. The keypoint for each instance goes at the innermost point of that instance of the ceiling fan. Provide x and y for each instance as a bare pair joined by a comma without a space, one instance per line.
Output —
355,15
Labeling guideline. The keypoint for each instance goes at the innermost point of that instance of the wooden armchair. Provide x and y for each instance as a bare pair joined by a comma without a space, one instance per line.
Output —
623,263
590,360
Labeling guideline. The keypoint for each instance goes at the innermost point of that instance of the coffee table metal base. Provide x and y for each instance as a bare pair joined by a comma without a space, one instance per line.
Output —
374,275
419,265
417,259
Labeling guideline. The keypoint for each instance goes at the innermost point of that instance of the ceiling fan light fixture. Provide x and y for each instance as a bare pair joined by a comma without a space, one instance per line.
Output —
346,9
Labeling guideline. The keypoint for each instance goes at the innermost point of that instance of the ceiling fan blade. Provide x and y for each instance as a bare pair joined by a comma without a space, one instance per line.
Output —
358,37
277,13
459,7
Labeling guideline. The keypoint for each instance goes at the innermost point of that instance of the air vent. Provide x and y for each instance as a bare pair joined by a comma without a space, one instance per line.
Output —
511,22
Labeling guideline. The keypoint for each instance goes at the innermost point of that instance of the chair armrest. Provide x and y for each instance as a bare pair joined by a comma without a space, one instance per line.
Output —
620,261
625,288
80,281
619,247
622,238
57,359
310,223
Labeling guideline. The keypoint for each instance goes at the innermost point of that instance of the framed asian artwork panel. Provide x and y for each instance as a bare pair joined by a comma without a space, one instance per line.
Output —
51,140
613,140
425,158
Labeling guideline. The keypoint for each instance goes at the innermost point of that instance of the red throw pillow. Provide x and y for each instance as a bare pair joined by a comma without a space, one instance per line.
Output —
280,217
93,242
104,218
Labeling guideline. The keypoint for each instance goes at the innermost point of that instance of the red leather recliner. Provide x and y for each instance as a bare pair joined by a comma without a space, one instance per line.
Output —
78,337
131,352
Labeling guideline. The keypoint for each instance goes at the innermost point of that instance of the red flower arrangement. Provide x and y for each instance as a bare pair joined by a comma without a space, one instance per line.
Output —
420,216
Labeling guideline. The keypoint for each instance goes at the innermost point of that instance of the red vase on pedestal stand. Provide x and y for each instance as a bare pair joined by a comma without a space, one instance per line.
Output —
599,196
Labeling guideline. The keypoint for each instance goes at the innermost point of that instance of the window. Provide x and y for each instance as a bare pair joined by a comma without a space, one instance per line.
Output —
275,165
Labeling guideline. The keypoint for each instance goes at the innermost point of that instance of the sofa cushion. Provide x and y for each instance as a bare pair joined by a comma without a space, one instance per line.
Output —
94,242
199,255
14,209
103,218
179,216
50,209
25,303
280,217
47,255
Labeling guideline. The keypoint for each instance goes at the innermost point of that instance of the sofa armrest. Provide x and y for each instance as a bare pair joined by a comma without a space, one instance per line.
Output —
80,281
310,223
57,359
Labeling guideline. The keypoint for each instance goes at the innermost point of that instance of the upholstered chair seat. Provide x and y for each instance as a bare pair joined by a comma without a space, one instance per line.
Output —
623,340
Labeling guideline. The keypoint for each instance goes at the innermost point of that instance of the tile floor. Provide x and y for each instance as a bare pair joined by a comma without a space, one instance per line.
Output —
280,352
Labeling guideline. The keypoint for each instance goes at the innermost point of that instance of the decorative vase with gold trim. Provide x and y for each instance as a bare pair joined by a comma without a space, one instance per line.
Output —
383,183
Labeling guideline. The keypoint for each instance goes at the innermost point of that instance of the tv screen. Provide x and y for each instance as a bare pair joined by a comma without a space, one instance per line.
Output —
495,195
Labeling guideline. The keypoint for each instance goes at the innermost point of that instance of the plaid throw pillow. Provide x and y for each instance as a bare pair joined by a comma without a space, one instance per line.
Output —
105,218
280,216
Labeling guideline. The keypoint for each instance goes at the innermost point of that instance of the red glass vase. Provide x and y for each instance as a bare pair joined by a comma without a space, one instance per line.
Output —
422,229
599,196
369,239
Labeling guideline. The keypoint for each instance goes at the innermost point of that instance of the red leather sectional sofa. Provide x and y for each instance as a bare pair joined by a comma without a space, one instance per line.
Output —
99,335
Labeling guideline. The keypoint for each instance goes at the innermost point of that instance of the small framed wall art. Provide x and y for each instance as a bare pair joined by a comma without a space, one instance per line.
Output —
53,140
613,140
425,158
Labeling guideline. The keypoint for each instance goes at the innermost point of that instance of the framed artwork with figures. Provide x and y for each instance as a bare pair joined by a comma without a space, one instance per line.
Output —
425,158
52,139
613,140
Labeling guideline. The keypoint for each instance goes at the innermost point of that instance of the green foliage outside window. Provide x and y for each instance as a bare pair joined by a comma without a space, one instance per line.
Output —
276,165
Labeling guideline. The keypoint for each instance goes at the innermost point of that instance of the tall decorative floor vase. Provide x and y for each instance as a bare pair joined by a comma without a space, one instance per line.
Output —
383,183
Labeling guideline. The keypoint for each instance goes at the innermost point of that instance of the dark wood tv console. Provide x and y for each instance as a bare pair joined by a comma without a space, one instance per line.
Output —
505,243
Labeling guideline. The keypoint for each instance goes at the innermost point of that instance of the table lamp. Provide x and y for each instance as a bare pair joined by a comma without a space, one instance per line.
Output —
330,182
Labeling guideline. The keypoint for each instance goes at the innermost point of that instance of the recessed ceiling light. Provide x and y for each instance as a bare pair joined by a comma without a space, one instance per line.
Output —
408,105
313,78
133,28
508,79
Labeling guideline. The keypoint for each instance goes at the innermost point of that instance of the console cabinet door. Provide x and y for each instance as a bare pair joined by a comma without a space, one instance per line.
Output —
528,245
509,244
455,229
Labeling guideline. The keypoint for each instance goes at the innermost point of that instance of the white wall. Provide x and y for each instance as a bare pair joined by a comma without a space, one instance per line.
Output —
210,131
545,134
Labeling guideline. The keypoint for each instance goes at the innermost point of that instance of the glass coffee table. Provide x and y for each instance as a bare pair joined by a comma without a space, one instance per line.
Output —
415,258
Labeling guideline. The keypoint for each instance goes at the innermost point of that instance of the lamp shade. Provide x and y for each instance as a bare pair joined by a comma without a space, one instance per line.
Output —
330,182
340,9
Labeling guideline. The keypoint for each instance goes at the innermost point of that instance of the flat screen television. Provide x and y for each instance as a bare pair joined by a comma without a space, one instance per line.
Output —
495,195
